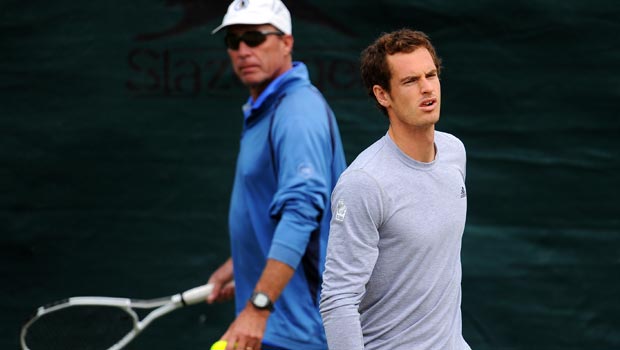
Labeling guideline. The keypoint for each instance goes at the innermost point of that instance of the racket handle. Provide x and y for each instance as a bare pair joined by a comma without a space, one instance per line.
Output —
197,295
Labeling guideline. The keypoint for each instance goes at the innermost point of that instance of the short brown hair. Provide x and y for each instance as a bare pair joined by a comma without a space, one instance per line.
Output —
374,65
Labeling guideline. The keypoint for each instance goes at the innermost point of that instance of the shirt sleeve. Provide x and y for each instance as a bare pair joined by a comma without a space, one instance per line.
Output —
352,252
302,152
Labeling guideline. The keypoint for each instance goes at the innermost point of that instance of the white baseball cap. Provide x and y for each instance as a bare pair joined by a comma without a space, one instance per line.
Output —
257,12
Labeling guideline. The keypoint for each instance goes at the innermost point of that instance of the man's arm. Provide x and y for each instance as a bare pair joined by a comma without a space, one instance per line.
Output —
352,253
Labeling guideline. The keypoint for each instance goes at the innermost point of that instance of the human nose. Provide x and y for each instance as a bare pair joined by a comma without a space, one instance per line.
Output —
243,49
425,86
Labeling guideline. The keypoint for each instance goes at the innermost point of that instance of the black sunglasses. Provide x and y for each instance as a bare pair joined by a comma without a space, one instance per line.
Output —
252,38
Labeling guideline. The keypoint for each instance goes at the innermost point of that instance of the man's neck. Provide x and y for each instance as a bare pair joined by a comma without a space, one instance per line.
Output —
417,143
255,91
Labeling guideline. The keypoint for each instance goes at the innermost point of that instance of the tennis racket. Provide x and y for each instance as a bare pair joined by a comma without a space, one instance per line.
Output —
99,323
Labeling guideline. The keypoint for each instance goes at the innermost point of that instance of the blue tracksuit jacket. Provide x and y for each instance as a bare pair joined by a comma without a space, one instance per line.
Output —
289,160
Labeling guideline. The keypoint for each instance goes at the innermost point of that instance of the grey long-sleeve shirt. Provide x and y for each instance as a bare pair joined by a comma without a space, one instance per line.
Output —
392,277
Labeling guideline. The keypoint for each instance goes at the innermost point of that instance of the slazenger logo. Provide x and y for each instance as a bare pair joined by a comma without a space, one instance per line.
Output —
198,13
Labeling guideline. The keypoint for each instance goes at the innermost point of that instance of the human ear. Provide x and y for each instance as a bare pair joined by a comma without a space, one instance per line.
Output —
288,43
382,96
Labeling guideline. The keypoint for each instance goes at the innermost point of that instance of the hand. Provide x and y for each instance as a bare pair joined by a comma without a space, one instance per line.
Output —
246,332
221,292
223,283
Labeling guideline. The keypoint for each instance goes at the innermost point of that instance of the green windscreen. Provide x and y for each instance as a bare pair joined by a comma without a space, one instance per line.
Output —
120,123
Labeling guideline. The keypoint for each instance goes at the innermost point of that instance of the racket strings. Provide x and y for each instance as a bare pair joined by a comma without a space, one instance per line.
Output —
79,327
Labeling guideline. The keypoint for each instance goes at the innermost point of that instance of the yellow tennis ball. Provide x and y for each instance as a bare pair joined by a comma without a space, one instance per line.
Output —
219,345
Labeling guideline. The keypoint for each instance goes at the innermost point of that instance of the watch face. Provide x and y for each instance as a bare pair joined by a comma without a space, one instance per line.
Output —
261,300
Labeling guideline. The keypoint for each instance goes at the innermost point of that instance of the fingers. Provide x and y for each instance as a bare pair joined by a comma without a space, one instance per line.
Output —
221,292
215,292
240,345
241,341
246,332
220,279
228,291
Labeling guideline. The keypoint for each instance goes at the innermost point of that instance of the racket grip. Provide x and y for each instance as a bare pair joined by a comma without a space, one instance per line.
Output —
197,295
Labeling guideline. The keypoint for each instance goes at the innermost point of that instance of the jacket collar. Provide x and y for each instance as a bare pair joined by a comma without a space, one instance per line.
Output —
296,75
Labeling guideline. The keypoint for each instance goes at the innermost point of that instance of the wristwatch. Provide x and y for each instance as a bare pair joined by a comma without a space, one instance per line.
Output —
261,301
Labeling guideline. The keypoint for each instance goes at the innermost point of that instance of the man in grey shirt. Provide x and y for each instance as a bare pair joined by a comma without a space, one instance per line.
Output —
392,277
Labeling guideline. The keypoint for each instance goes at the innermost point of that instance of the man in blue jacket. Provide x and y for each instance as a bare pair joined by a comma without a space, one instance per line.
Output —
289,160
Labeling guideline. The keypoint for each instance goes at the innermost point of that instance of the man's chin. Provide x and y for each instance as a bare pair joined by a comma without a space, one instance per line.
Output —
252,81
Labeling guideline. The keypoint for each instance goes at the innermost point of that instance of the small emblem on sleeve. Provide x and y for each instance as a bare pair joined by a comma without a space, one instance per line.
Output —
341,210
305,170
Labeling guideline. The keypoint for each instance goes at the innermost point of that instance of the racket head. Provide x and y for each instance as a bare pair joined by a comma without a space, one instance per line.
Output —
64,325
99,323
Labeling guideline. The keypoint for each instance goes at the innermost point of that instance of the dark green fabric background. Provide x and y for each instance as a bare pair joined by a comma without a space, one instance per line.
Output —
119,125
